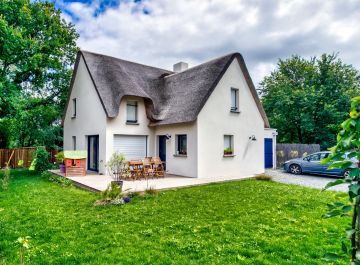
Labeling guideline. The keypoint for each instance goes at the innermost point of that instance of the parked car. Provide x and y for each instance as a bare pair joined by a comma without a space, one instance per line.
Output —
311,164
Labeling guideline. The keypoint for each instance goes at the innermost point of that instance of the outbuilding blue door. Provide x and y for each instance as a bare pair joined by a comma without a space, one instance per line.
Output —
268,152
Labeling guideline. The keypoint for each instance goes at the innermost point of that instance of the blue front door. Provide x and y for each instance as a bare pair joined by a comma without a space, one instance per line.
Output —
268,152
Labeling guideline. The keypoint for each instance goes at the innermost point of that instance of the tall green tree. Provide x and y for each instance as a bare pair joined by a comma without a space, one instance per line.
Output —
37,50
306,100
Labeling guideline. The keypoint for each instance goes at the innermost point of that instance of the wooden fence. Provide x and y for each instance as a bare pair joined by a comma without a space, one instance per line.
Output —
26,154
286,152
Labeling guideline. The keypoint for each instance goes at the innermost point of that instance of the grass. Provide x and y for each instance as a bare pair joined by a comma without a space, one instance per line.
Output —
245,222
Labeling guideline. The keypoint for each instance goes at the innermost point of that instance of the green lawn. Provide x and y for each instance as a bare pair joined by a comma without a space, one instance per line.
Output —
245,222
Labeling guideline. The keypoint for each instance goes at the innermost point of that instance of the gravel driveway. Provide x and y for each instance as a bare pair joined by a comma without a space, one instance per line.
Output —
312,181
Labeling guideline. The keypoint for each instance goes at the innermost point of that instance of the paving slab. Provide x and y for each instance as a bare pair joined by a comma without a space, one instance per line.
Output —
101,182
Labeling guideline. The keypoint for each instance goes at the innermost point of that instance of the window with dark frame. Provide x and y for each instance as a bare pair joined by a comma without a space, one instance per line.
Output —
74,142
131,112
181,144
234,100
74,107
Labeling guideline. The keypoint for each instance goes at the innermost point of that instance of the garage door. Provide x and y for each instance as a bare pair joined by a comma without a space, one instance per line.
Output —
268,152
132,146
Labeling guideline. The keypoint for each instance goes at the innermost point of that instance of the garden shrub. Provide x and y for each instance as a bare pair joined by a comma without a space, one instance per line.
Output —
118,167
41,160
263,177
57,179
60,158
113,195
5,178
112,192
151,191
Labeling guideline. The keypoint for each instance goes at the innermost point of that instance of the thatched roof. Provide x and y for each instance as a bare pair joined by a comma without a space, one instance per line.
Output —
169,97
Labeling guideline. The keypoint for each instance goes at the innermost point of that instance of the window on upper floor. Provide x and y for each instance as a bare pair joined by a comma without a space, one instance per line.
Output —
234,100
74,142
228,145
131,112
181,144
74,107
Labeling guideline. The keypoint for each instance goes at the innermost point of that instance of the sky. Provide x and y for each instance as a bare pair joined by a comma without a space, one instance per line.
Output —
163,32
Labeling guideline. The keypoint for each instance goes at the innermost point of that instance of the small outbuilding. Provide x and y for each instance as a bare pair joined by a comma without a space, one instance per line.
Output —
75,163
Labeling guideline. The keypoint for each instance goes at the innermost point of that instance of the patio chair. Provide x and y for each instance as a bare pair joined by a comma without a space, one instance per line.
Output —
147,168
135,169
158,167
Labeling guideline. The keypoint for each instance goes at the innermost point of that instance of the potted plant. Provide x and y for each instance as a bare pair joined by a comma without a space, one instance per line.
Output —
60,158
183,150
228,151
118,168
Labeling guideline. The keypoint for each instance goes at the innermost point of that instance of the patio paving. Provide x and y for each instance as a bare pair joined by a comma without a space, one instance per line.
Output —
101,182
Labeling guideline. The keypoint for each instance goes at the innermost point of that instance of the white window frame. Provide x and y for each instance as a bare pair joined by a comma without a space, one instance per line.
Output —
132,104
228,143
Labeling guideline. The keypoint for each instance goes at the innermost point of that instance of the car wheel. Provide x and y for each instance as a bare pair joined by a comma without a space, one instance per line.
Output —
295,169
346,173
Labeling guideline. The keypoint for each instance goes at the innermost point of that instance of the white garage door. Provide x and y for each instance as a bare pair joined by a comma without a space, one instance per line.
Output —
132,146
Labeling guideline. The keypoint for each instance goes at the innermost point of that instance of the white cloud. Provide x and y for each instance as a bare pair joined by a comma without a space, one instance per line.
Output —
199,30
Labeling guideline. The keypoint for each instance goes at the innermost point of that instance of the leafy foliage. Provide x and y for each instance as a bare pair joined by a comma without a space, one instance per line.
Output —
37,50
348,146
151,191
117,166
112,192
24,243
41,160
263,177
60,158
5,178
306,100
57,179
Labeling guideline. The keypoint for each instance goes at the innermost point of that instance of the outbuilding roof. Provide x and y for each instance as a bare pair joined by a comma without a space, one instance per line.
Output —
169,97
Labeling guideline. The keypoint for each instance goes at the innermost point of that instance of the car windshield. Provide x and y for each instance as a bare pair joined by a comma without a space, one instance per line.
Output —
316,156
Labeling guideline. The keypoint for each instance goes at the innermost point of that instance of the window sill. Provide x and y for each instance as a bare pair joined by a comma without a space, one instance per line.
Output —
180,155
132,123
235,111
229,155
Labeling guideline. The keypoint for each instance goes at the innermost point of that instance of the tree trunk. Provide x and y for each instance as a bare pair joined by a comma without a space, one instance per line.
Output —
299,133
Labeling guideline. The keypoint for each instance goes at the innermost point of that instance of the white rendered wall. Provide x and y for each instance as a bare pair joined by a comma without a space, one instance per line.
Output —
90,115
215,120
118,126
179,165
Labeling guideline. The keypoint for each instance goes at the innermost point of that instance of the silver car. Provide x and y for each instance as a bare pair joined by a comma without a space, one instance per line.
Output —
311,164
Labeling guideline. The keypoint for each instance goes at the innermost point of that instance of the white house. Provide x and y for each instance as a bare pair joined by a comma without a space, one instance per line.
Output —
188,117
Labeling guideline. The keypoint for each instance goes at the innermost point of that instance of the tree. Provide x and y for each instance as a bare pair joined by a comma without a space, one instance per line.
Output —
306,100
344,154
37,50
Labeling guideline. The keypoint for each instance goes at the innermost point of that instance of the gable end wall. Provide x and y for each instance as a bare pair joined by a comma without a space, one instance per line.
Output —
90,115
215,120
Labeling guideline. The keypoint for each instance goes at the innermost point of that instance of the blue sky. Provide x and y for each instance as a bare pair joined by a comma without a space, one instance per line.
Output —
163,32
102,6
